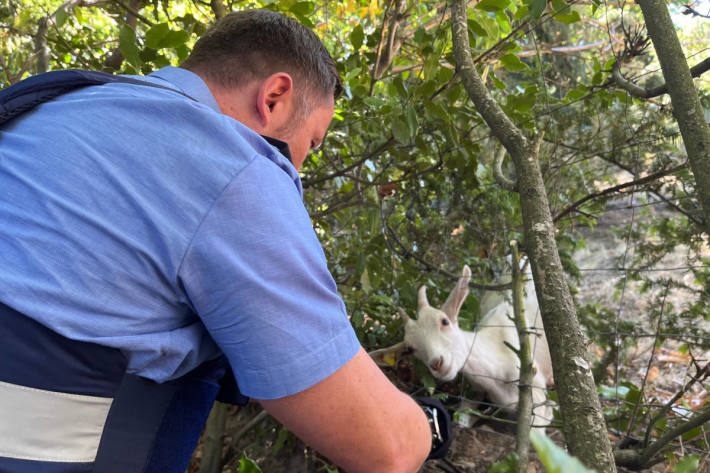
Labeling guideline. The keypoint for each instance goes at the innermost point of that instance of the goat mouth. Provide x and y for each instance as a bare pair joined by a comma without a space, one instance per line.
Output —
446,374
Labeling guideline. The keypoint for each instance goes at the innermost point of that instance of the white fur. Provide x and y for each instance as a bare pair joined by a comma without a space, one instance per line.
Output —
482,356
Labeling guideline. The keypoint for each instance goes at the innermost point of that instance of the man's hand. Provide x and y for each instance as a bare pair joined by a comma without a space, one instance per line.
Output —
358,419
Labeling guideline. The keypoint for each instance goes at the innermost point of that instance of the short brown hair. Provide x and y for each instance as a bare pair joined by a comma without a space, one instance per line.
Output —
253,44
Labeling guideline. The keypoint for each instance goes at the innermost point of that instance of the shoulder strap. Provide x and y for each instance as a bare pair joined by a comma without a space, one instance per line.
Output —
35,90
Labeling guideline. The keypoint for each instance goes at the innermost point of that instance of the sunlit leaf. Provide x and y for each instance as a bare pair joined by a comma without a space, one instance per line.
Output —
246,465
79,15
492,5
61,17
22,19
687,464
570,17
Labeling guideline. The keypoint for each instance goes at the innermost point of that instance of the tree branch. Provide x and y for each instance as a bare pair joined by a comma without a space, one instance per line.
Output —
311,182
220,11
643,93
611,190
641,460
134,12
502,180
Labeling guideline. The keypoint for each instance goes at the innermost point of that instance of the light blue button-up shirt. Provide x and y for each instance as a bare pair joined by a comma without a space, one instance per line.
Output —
136,218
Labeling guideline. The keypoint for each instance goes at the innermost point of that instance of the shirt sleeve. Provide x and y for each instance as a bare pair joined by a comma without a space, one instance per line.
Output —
257,276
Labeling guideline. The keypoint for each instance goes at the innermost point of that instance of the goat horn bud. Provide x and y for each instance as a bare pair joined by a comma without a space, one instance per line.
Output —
423,302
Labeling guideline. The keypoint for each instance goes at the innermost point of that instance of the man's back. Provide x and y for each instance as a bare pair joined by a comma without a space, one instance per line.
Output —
109,193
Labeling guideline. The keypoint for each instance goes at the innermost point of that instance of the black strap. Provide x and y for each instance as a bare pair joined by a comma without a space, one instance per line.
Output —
35,90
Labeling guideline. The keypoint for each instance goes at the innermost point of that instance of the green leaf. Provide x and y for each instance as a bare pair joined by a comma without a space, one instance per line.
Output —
247,465
284,434
302,8
522,103
174,39
503,21
597,78
568,18
154,36
129,46
476,27
513,63
536,8
357,37
492,5
79,15
365,281
305,21
61,17
554,458
412,121
509,464
22,19
400,130
521,12
687,464
577,93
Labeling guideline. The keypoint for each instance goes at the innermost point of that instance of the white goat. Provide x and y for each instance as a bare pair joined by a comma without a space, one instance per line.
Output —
490,366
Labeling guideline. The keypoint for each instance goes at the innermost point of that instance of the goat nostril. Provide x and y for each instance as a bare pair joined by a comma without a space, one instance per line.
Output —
436,364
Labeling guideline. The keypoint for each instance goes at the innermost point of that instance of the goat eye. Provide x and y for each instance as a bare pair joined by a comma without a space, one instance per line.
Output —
444,322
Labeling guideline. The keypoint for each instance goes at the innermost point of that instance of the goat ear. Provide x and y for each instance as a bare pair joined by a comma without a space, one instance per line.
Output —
388,356
421,299
457,296
403,315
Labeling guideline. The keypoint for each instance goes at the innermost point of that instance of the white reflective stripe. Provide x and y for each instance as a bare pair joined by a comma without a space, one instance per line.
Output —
49,426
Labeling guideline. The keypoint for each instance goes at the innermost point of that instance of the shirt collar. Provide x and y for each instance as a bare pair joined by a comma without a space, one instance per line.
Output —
188,83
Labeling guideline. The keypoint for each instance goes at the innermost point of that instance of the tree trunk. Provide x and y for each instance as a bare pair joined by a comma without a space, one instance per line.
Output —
686,104
582,418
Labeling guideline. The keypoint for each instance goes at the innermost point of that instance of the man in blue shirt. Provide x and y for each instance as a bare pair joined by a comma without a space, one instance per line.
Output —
159,224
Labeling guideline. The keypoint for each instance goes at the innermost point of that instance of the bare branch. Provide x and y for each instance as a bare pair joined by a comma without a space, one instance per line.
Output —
502,180
611,190
643,93
700,376
310,182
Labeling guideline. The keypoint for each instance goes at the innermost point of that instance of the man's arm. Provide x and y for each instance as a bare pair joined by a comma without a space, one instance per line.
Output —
358,419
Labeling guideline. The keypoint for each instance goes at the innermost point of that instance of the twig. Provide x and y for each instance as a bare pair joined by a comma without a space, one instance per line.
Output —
231,456
134,12
701,375
648,367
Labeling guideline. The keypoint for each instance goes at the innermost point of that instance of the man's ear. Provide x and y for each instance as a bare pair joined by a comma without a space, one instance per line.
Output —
275,97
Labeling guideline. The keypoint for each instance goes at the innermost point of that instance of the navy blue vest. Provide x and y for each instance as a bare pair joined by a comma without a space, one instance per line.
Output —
143,426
